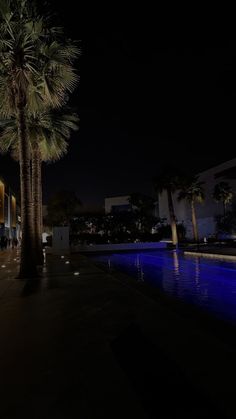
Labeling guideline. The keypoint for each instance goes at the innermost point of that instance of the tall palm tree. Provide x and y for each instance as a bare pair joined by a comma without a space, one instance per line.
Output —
54,129
48,134
35,70
169,182
192,191
223,193
16,73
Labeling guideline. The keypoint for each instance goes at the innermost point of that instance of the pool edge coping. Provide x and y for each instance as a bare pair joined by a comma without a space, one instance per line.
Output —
210,255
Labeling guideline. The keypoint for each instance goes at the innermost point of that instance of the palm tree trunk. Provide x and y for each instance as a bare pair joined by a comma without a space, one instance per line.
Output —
36,191
27,261
224,208
194,222
172,218
41,202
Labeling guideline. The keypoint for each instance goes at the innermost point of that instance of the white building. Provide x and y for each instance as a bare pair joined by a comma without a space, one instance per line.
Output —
207,211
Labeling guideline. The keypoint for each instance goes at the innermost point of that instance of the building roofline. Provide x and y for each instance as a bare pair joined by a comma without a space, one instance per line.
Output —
219,167
117,196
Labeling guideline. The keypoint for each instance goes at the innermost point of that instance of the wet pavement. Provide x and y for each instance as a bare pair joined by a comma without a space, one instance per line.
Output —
80,342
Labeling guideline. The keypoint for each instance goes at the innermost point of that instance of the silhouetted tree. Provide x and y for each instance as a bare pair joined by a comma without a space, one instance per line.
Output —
223,193
62,207
169,181
192,191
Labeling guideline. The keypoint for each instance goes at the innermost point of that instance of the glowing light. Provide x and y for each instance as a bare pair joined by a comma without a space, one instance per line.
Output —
76,273
3,266
67,262
62,257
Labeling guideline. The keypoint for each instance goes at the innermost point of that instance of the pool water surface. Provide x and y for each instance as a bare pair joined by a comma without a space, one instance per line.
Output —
210,284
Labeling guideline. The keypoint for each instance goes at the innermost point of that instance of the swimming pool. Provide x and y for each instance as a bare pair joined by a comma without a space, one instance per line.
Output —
210,284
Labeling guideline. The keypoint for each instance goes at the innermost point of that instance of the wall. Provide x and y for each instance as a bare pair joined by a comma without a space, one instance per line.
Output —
207,211
120,247
60,240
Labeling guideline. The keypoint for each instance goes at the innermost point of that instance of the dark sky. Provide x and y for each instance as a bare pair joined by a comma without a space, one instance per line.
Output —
144,102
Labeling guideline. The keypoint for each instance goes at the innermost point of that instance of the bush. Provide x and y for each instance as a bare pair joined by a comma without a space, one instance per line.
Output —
87,238
119,237
164,232
226,223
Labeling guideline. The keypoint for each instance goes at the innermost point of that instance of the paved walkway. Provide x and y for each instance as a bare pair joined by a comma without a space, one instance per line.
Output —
213,252
82,343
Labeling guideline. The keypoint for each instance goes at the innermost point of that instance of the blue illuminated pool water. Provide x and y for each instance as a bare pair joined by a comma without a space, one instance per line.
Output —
210,284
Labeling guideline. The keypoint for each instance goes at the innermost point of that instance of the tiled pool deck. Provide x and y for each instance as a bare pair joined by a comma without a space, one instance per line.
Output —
95,345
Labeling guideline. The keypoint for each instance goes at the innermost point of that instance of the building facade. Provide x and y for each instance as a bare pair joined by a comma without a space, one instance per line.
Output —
117,204
9,212
207,211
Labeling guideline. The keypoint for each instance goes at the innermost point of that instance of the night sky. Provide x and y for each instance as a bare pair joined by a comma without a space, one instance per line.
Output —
143,103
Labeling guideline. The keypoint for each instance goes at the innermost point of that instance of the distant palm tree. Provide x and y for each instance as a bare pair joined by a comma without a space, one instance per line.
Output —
169,182
35,71
48,132
223,193
192,191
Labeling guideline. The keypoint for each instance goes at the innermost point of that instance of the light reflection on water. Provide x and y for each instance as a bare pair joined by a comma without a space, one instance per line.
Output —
176,264
210,284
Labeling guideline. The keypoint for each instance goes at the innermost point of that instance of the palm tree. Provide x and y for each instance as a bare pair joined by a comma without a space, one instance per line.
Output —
223,193
192,191
169,182
16,73
35,70
48,132
53,129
